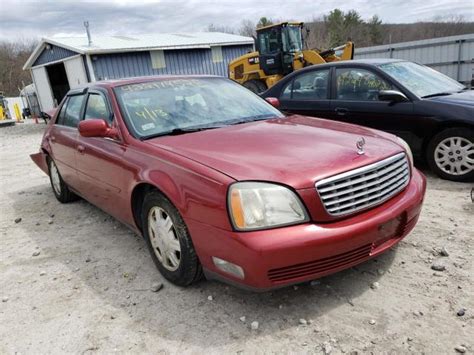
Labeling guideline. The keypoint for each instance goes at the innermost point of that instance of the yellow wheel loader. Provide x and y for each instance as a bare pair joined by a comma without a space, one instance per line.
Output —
279,52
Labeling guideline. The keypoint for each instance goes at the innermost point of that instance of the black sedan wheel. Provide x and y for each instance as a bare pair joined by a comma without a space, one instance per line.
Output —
169,241
451,154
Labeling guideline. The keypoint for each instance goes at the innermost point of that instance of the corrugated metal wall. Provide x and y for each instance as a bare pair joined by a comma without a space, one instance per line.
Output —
453,56
53,54
188,61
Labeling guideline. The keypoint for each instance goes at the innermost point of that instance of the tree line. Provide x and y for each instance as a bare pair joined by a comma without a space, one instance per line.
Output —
337,27
13,55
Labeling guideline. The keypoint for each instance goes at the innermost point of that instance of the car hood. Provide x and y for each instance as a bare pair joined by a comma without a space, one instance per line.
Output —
464,98
295,150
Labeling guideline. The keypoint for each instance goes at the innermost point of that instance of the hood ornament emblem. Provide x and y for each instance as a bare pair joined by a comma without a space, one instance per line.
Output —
360,146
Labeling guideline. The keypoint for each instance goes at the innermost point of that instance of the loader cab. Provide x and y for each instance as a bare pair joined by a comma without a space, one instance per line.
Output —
277,45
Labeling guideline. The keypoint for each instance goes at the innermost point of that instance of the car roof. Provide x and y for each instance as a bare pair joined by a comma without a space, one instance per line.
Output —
368,61
135,80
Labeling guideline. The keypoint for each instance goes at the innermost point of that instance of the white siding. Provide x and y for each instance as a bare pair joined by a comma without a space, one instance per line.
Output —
158,59
43,89
76,74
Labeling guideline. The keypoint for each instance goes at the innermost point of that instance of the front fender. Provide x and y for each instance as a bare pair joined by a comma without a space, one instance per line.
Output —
198,192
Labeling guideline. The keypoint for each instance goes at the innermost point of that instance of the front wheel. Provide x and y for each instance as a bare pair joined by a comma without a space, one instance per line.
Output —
169,241
450,154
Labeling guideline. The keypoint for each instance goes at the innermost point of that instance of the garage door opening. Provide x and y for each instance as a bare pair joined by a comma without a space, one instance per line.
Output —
58,81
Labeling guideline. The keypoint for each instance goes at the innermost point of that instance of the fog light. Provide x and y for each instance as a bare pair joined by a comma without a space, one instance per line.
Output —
228,267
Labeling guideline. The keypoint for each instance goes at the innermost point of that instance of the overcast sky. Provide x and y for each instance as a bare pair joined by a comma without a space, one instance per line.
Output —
27,19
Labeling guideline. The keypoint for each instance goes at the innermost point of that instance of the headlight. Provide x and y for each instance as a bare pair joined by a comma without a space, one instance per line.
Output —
407,151
259,205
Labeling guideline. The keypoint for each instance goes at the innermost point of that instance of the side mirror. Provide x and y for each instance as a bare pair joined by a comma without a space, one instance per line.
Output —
273,101
97,128
392,96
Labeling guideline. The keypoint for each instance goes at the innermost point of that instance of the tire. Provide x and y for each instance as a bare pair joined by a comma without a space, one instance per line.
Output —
60,189
256,86
165,232
450,154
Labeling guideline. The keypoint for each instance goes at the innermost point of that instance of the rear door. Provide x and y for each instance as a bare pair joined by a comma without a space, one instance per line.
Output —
63,138
307,94
100,162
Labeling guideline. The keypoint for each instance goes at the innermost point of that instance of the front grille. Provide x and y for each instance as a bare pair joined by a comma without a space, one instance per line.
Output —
364,187
321,265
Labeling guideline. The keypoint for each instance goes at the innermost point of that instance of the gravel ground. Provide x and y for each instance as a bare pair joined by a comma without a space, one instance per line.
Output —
74,280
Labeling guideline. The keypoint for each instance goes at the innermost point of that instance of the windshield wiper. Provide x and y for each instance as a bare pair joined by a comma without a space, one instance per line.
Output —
437,94
177,131
250,119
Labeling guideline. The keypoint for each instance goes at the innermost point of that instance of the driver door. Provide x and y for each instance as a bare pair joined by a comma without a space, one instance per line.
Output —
355,100
99,160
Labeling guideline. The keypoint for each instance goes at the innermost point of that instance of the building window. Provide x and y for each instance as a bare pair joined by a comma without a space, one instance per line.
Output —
216,54
158,59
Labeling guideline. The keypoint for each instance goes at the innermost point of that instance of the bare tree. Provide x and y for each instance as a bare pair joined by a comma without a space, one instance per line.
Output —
220,28
13,55
247,28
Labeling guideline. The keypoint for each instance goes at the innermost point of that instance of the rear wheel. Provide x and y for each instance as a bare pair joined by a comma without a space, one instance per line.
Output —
60,189
169,241
451,154
256,86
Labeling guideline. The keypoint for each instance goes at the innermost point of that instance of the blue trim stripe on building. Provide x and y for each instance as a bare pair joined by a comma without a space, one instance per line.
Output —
186,61
53,54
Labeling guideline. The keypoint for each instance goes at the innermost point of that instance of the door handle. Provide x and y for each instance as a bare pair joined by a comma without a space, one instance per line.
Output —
52,139
340,111
81,148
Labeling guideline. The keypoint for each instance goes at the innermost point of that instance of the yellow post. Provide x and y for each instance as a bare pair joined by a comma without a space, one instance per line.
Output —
2,114
16,108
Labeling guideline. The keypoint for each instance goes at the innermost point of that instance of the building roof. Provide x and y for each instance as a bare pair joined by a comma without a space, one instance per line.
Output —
133,43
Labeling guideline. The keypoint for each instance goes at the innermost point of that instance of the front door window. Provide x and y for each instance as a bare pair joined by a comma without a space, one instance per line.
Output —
359,84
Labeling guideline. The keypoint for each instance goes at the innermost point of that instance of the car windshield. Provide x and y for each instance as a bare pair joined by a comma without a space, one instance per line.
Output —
181,105
420,79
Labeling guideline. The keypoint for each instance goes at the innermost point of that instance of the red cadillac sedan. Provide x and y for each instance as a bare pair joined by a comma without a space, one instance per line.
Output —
221,183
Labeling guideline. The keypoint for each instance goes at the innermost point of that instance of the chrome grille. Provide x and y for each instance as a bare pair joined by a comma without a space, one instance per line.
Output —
364,187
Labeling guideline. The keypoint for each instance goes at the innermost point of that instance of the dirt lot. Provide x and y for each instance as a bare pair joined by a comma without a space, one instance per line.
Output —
88,290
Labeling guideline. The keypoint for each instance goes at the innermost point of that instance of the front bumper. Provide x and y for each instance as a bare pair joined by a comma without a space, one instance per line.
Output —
282,256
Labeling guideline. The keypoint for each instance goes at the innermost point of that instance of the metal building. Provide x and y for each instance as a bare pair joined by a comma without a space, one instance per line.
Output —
60,64
452,56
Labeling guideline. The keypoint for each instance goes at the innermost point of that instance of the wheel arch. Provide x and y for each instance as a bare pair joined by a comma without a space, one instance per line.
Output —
140,190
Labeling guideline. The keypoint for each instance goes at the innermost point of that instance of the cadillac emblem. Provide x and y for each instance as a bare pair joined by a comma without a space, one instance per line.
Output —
360,146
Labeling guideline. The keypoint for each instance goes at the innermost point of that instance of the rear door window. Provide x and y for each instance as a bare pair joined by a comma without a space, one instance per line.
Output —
72,114
62,113
308,86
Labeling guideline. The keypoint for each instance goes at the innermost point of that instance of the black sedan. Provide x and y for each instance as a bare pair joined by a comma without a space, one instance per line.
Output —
431,112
